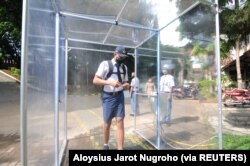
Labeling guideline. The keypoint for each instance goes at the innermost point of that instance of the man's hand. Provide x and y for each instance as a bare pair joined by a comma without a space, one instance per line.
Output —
115,83
125,85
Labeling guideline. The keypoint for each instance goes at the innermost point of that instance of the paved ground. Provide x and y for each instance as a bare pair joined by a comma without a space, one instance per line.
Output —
9,121
85,124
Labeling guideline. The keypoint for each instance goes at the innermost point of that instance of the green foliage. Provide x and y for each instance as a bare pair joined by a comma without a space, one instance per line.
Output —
1,56
206,83
16,72
10,28
234,23
205,86
224,49
226,81
198,24
200,51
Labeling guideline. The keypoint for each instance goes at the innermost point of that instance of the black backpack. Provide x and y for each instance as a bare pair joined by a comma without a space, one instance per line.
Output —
111,70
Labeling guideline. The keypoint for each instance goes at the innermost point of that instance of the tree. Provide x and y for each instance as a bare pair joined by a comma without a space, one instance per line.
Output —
10,28
235,25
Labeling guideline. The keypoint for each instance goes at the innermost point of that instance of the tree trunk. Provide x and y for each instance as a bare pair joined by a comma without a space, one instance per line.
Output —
239,78
237,48
236,2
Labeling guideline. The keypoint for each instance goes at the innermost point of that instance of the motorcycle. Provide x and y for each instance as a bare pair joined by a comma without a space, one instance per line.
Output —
186,91
236,97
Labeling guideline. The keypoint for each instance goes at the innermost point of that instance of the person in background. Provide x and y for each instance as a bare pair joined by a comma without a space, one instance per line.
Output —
166,88
112,96
134,87
150,90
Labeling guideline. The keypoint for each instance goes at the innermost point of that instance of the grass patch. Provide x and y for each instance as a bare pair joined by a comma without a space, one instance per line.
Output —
236,142
232,142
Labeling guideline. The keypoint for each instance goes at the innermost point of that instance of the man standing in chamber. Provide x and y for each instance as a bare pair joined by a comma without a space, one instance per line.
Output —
166,88
112,75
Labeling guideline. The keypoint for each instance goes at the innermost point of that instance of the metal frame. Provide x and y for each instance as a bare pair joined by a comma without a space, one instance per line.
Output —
56,84
158,139
23,91
217,53
23,86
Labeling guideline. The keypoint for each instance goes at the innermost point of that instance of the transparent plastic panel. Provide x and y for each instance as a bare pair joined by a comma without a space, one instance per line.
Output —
129,37
148,13
40,85
146,67
154,14
92,8
84,102
98,32
85,29
188,54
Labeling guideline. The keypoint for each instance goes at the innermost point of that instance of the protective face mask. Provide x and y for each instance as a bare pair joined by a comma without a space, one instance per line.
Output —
164,71
119,60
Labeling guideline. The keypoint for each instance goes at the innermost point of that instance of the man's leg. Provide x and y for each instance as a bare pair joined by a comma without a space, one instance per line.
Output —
132,104
120,133
169,109
106,131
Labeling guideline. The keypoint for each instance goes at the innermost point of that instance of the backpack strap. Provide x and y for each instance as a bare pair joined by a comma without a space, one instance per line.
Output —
110,72
124,70
110,69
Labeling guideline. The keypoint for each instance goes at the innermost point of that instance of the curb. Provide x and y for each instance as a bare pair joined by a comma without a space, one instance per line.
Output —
18,81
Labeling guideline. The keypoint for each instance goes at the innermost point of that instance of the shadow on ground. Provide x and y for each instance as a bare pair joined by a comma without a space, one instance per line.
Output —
239,119
10,150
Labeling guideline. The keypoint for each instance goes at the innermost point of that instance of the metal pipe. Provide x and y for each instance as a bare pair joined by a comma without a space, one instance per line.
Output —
85,17
136,96
218,75
158,139
66,87
56,86
89,49
41,10
137,27
145,55
88,33
150,49
23,86
99,43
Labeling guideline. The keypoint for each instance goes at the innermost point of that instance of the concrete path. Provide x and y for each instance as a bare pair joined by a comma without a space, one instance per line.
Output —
9,121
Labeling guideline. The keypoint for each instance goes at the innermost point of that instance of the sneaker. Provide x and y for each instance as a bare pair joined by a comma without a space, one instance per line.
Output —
105,147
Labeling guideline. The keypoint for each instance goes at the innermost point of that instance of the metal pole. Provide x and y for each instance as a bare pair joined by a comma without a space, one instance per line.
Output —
87,78
99,43
23,89
56,97
136,95
218,75
66,88
158,139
